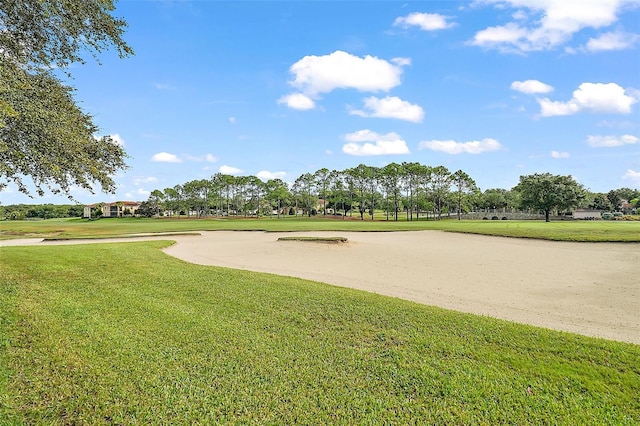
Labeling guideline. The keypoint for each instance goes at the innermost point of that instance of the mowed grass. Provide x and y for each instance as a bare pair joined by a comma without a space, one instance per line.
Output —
124,334
588,231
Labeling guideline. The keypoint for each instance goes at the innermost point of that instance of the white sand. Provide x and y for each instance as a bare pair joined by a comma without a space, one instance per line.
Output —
590,289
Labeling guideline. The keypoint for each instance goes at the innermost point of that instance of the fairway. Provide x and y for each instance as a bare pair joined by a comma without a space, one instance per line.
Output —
119,333
591,289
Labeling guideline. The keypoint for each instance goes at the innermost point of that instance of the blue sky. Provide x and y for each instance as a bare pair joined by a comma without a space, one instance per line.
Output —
497,88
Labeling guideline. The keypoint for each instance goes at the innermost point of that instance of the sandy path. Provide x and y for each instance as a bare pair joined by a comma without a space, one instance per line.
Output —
591,289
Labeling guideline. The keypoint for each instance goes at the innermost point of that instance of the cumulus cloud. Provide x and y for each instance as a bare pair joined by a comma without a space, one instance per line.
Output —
366,142
297,101
401,61
139,180
266,175
165,157
162,86
598,141
633,176
209,158
558,154
617,40
606,98
139,193
390,107
545,24
531,87
426,21
229,170
453,147
314,75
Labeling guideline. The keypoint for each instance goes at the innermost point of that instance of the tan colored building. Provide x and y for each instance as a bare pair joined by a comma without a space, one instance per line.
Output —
115,209
587,214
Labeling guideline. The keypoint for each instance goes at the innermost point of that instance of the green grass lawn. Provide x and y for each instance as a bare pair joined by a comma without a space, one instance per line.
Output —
596,231
124,334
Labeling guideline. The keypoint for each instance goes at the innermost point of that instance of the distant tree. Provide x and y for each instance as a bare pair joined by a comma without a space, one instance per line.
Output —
119,207
464,186
547,192
440,187
614,199
391,176
277,194
322,183
303,190
44,135
494,198
339,192
628,194
146,209
156,198
600,202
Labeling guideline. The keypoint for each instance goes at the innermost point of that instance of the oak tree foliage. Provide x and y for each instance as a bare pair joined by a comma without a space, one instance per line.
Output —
547,192
44,134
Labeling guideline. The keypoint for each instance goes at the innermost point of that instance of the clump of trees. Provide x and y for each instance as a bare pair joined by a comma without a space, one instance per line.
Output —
411,189
40,211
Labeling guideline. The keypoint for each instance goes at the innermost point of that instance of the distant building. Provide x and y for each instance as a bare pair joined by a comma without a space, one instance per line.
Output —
587,214
116,209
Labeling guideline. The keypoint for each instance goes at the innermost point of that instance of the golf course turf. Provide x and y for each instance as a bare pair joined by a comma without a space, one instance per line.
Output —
121,333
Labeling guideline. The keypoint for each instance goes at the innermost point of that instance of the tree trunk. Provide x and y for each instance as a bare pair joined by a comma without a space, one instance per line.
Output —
546,216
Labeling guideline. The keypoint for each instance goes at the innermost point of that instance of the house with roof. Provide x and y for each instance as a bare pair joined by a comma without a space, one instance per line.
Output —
115,209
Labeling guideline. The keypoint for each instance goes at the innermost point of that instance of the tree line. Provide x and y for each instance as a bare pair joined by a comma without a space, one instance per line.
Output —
411,189
40,211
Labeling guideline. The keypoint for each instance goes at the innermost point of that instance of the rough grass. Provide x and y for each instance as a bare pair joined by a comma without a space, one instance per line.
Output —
124,334
592,231
334,240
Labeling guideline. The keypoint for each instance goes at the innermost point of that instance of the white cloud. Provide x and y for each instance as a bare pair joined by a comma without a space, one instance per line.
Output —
606,98
612,41
165,157
633,176
531,87
297,101
209,158
390,107
401,61
228,170
139,193
232,120
426,21
265,175
365,142
453,147
162,86
117,139
546,24
558,154
598,141
139,180
341,70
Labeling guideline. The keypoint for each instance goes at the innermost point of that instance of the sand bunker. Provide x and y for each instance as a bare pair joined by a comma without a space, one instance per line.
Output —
590,289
